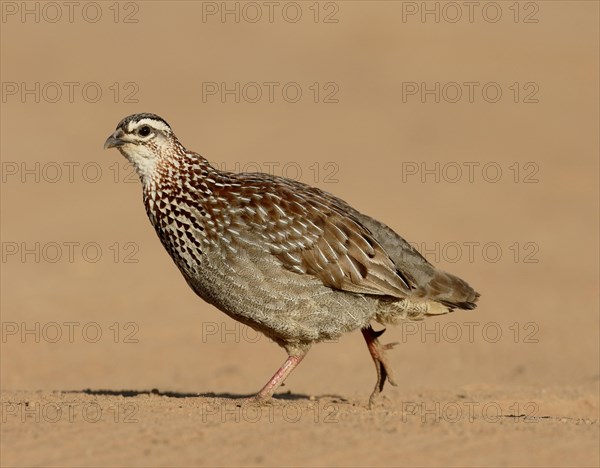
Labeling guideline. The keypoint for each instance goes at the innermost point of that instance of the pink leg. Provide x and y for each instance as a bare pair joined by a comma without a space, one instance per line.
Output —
273,384
377,350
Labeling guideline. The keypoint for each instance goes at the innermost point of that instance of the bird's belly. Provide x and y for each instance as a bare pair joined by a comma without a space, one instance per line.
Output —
286,306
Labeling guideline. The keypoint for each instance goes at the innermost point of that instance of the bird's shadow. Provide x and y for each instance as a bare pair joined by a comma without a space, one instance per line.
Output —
286,396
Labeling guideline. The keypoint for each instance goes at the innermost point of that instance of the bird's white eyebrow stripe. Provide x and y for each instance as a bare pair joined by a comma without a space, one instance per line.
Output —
151,122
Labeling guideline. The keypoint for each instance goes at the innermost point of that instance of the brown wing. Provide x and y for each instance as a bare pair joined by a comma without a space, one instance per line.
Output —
311,234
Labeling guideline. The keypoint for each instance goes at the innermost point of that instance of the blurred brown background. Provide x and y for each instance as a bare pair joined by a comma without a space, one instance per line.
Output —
378,82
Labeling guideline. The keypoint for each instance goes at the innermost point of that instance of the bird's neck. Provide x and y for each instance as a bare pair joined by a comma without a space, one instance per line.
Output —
185,177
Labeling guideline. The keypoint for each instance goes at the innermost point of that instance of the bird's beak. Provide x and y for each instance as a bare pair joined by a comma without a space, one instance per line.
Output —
115,140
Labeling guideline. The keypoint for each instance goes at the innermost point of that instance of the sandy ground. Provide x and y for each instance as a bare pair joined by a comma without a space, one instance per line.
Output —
107,357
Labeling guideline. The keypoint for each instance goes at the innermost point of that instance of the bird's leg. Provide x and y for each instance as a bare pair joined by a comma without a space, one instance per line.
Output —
273,384
377,351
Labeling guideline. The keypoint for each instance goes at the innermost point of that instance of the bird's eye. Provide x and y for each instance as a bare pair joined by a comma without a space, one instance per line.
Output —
144,131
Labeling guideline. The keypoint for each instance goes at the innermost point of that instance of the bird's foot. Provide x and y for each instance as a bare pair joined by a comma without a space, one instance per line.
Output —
378,353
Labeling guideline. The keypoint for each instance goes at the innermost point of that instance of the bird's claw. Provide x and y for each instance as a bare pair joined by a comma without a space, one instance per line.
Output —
384,371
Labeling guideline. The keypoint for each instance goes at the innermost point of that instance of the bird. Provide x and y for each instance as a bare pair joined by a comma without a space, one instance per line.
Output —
287,259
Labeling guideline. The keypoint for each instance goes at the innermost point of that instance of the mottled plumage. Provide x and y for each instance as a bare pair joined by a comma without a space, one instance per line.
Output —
287,259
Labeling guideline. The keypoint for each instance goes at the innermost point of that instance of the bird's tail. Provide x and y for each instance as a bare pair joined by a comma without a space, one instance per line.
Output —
450,291
442,294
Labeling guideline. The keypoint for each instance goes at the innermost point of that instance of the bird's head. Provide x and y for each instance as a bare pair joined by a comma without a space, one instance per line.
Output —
143,139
